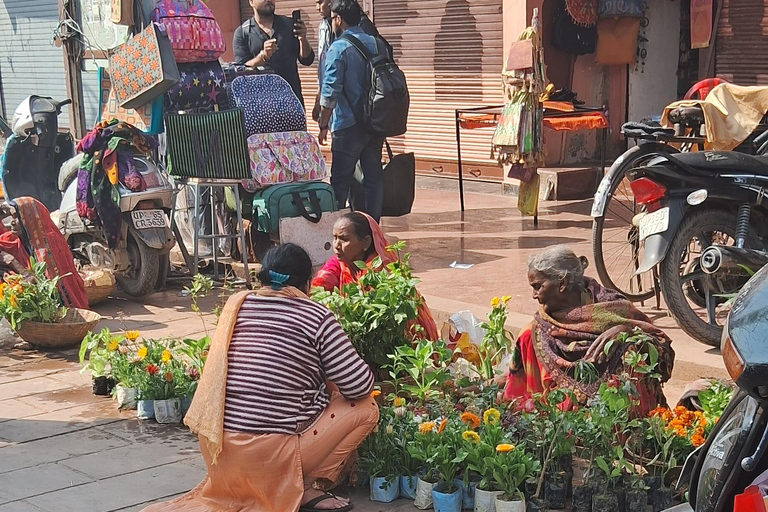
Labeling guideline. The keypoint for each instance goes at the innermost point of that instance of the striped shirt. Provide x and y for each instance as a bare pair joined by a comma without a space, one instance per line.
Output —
281,353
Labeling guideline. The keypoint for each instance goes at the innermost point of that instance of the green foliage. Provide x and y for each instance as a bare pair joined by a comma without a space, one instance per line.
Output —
427,372
380,452
511,469
201,287
713,402
94,345
497,339
31,297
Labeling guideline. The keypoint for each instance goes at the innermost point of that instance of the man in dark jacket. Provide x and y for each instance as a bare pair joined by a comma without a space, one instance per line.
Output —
273,42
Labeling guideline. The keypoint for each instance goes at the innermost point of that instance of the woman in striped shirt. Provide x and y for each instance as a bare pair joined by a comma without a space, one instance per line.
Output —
283,401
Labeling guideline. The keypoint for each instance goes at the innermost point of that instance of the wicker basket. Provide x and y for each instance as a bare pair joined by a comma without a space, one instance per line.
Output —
69,331
99,285
98,294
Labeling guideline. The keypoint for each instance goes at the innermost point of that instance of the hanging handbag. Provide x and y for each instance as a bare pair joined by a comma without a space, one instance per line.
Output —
121,12
143,68
569,37
210,145
147,118
284,157
201,86
192,29
399,183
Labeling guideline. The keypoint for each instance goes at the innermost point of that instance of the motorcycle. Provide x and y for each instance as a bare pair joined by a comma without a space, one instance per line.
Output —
735,452
40,162
703,220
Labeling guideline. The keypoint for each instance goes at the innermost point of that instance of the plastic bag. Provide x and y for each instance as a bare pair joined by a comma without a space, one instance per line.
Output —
423,499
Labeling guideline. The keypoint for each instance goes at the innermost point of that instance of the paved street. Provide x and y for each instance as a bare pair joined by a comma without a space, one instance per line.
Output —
62,449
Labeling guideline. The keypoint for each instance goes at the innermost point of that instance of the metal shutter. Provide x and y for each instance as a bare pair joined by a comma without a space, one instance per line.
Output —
742,38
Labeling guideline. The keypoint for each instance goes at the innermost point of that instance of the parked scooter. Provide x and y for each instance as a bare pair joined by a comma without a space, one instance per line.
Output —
704,223
35,165
735,452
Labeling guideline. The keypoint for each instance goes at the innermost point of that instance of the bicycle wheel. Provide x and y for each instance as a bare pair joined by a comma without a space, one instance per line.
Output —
616,246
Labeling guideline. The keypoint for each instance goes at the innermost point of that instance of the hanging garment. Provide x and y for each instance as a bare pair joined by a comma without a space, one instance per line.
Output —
617,41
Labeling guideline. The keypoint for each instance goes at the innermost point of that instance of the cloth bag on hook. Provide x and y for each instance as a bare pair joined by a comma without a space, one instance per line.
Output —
194,33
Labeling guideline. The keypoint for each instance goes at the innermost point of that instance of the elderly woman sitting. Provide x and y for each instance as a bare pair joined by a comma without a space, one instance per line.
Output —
576,319
284,399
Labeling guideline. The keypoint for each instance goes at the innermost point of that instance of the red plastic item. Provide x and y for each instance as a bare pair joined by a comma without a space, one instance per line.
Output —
751,500
701,89
647,191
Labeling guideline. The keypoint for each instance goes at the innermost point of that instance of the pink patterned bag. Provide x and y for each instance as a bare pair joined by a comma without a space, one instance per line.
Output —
193,31
284,157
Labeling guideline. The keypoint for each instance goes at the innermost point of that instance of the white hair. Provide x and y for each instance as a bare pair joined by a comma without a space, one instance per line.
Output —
560,264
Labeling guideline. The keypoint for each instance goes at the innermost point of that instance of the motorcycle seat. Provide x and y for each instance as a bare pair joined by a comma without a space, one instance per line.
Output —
723,161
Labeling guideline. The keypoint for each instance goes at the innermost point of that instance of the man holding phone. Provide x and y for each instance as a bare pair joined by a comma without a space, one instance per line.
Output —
274,42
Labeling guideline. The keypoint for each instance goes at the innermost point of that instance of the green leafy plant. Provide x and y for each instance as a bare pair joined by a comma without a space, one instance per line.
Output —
425,442
511,467
201,287
479,448
713,401
378,311
380,453
94,346
497,340
31,297
446,459
427,372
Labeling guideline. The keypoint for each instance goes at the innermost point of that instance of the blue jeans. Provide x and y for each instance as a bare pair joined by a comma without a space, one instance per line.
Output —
348,146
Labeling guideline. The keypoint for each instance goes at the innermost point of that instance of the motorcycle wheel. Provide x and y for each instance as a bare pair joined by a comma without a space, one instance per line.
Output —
616,246
685,287
141,278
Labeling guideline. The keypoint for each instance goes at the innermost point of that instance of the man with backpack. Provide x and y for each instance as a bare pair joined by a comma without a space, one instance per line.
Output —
363,99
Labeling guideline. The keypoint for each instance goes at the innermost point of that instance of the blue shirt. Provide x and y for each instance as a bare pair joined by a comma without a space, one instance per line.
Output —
344,78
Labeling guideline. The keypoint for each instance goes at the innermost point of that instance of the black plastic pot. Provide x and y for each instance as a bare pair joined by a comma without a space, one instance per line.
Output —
621,497
534,505
102,386
652,482
635,500
530,487
582,498
608,502
555,491
661,499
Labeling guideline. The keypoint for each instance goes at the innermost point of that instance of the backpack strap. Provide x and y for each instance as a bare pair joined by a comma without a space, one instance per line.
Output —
359,45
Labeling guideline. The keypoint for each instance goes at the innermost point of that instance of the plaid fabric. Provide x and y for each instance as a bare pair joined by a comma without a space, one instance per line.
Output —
210,145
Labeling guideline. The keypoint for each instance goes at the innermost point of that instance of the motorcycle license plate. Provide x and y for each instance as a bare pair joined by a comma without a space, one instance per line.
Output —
656,222
146,219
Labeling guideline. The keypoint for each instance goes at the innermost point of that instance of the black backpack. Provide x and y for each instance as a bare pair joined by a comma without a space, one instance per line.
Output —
384,111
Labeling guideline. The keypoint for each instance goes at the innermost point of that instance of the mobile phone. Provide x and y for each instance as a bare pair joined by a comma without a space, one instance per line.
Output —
296,15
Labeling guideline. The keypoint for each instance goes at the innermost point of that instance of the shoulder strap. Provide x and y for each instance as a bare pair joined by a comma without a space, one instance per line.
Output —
357,44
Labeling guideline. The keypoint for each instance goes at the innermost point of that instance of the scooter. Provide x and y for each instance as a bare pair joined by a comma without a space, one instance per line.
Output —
40,162
735,452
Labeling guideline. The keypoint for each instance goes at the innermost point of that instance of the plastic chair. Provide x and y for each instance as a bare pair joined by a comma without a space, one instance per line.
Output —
702,88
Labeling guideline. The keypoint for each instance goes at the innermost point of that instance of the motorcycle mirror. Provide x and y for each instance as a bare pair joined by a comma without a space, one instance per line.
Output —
697,197
63,104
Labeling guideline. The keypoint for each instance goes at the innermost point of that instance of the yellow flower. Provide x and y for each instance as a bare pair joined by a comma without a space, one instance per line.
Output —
142,352
398,402
166,356
375,393
506,299
2,288
132,335
503,448
12,301
495,302
112,345
426,427
491,416
471,436
390,429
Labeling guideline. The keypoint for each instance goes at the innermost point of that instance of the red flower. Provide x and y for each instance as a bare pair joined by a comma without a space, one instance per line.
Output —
152,369
614,382
168,377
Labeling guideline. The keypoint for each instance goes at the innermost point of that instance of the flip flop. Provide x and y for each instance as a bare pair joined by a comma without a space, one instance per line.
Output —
310,505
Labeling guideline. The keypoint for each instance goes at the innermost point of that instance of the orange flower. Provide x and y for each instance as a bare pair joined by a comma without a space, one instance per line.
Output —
503,448
168,377
473,420
12,301
697,440
375,393
442,426
152,369
426,427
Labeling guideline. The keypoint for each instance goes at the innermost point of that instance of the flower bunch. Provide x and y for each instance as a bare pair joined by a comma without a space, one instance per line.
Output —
684,424
31,297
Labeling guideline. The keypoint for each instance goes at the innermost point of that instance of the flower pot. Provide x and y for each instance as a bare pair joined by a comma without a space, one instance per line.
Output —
446,501
423,499
635,500
582,498
102,386
408,486
652,482
145,409
467,493
509,506
661,499
186,403
530,486
485,501
536,505
168,411
605,502
384,491
555,491
126,397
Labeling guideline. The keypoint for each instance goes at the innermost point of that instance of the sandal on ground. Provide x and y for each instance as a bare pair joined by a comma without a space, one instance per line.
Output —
310,505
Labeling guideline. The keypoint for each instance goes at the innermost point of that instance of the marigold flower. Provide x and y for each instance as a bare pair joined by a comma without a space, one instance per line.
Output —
112,345
491,416
504,448
697,440
2,288
12,301
168,377
442,426
506,299
152,369
426,427
398,402
494,302
166,356
142,352
470,419
375,393
132,335
471,436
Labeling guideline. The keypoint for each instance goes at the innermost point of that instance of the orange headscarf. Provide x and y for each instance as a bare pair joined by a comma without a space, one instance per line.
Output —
337,274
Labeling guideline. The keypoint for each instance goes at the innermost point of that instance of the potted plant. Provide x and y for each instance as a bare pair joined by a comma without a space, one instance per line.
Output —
445,459
94,346
125,369
497,339
511,467
426,366
168,380
405,433
379,458
421,449
479,447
